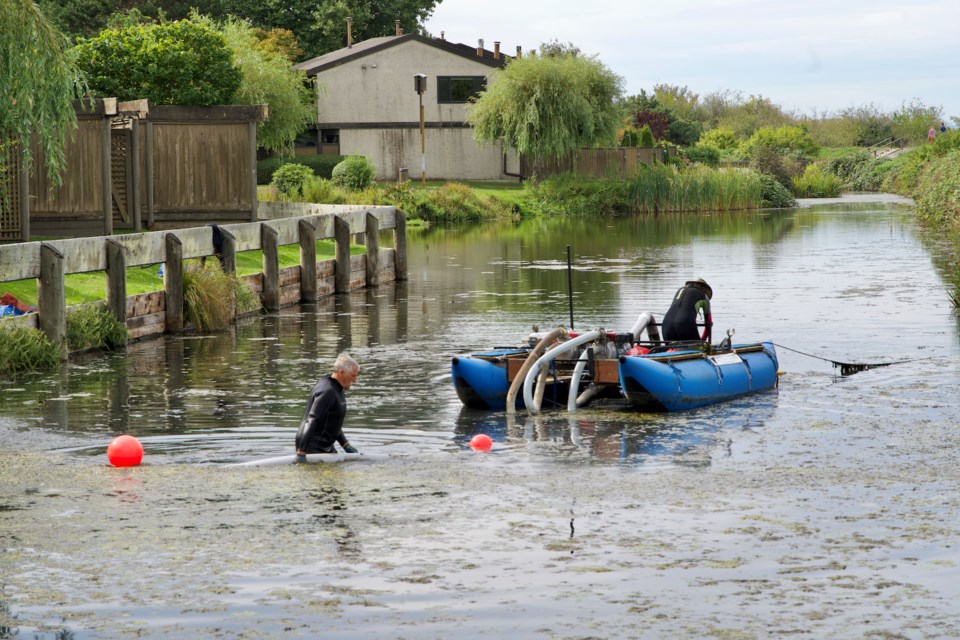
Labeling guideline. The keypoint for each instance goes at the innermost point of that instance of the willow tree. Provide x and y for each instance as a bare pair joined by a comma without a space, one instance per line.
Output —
38,84
548,106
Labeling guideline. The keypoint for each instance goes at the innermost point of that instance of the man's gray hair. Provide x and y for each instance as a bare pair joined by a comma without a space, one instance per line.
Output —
345,364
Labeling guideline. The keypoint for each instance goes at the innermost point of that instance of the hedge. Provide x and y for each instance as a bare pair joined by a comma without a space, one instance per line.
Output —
322,166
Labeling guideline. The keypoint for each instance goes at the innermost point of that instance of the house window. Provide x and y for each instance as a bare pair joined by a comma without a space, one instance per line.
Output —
451,89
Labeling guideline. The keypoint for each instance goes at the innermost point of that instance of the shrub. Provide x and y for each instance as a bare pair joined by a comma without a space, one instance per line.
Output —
858,171
291,178
817,183
721,138
767,160
93,326
210,297
25,349
355,172
322,166
706,155
785,140
645,138
322,191
630,138
774,194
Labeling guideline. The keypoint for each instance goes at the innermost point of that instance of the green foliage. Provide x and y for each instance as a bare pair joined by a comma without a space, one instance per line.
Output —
355,172
858,171
290,179
719,138
912,121
267,78
25,349
937,194
773,194
210,297
646,137
453,203
772,162
703,154
171,63
545,107
93,326
322,166
38,82
655,189
904,174
323,191
817,183
630,137
744,118
785,140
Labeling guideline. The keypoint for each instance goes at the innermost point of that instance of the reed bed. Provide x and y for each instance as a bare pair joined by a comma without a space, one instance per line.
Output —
664,189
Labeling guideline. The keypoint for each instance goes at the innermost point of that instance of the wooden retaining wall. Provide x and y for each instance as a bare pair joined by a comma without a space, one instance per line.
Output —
162,311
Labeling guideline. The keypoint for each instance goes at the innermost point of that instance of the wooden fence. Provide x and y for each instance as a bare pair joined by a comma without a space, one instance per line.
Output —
162,311
130,165
619,163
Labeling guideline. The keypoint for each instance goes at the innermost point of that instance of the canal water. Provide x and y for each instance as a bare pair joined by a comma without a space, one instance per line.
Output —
829,507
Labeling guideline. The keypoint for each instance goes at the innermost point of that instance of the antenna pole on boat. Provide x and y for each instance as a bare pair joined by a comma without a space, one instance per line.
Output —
570,285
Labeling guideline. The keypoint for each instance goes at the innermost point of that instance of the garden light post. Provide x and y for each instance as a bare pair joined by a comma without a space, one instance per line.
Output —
420,84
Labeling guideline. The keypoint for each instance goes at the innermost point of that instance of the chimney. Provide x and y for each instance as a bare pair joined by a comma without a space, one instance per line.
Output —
349,32
496,50
518,52
480,48
396,27
443,36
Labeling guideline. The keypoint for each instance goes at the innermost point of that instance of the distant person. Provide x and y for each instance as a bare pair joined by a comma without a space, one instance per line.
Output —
691,301
943,127
931,134
323,418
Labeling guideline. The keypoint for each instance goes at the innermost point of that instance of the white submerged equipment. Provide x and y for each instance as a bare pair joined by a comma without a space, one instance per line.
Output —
312,458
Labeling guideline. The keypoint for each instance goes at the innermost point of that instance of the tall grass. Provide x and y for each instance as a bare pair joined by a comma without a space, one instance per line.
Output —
664,189
25,349
93,326
211,298
817,183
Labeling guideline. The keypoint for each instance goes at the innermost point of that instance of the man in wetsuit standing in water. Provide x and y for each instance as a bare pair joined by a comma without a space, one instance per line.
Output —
323,418
691,300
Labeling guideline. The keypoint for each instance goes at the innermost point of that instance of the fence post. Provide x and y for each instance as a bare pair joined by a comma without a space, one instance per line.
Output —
308,260
52,297
252,138
107,177
148,152
229,261
373,250
270,246
117,280
24,197
133,198
173,283
400,245
341,235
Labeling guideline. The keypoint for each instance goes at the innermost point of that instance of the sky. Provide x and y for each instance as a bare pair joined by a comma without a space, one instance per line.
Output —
809,56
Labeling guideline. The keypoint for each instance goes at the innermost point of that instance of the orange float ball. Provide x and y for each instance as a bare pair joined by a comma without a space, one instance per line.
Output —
481,442
125,451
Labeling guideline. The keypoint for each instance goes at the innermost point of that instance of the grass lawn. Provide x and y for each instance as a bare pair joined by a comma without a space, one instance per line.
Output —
88,287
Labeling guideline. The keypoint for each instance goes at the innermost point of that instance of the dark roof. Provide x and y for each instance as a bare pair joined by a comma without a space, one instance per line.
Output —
361,49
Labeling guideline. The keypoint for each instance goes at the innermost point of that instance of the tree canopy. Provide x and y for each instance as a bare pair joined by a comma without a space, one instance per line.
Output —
170,63
38,83
319,26
548,106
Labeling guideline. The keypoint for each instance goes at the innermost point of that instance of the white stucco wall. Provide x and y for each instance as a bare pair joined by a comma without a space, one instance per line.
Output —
378,89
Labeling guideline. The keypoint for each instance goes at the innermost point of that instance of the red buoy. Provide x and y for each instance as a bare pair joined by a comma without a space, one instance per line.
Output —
125,451
481,442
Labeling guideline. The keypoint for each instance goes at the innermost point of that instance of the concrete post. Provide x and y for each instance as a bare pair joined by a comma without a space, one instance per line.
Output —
400,245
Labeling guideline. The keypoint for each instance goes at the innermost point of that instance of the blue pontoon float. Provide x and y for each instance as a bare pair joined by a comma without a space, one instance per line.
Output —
570,370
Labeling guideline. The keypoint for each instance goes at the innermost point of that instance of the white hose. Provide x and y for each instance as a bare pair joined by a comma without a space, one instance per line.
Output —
561,348
648,322
575,380
557,334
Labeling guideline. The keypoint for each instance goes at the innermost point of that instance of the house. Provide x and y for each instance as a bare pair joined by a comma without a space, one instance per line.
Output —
367,104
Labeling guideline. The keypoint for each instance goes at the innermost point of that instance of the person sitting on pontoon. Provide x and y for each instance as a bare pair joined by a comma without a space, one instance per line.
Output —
691,301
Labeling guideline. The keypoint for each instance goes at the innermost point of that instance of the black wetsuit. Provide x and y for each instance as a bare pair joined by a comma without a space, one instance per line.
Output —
323,418
680,323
